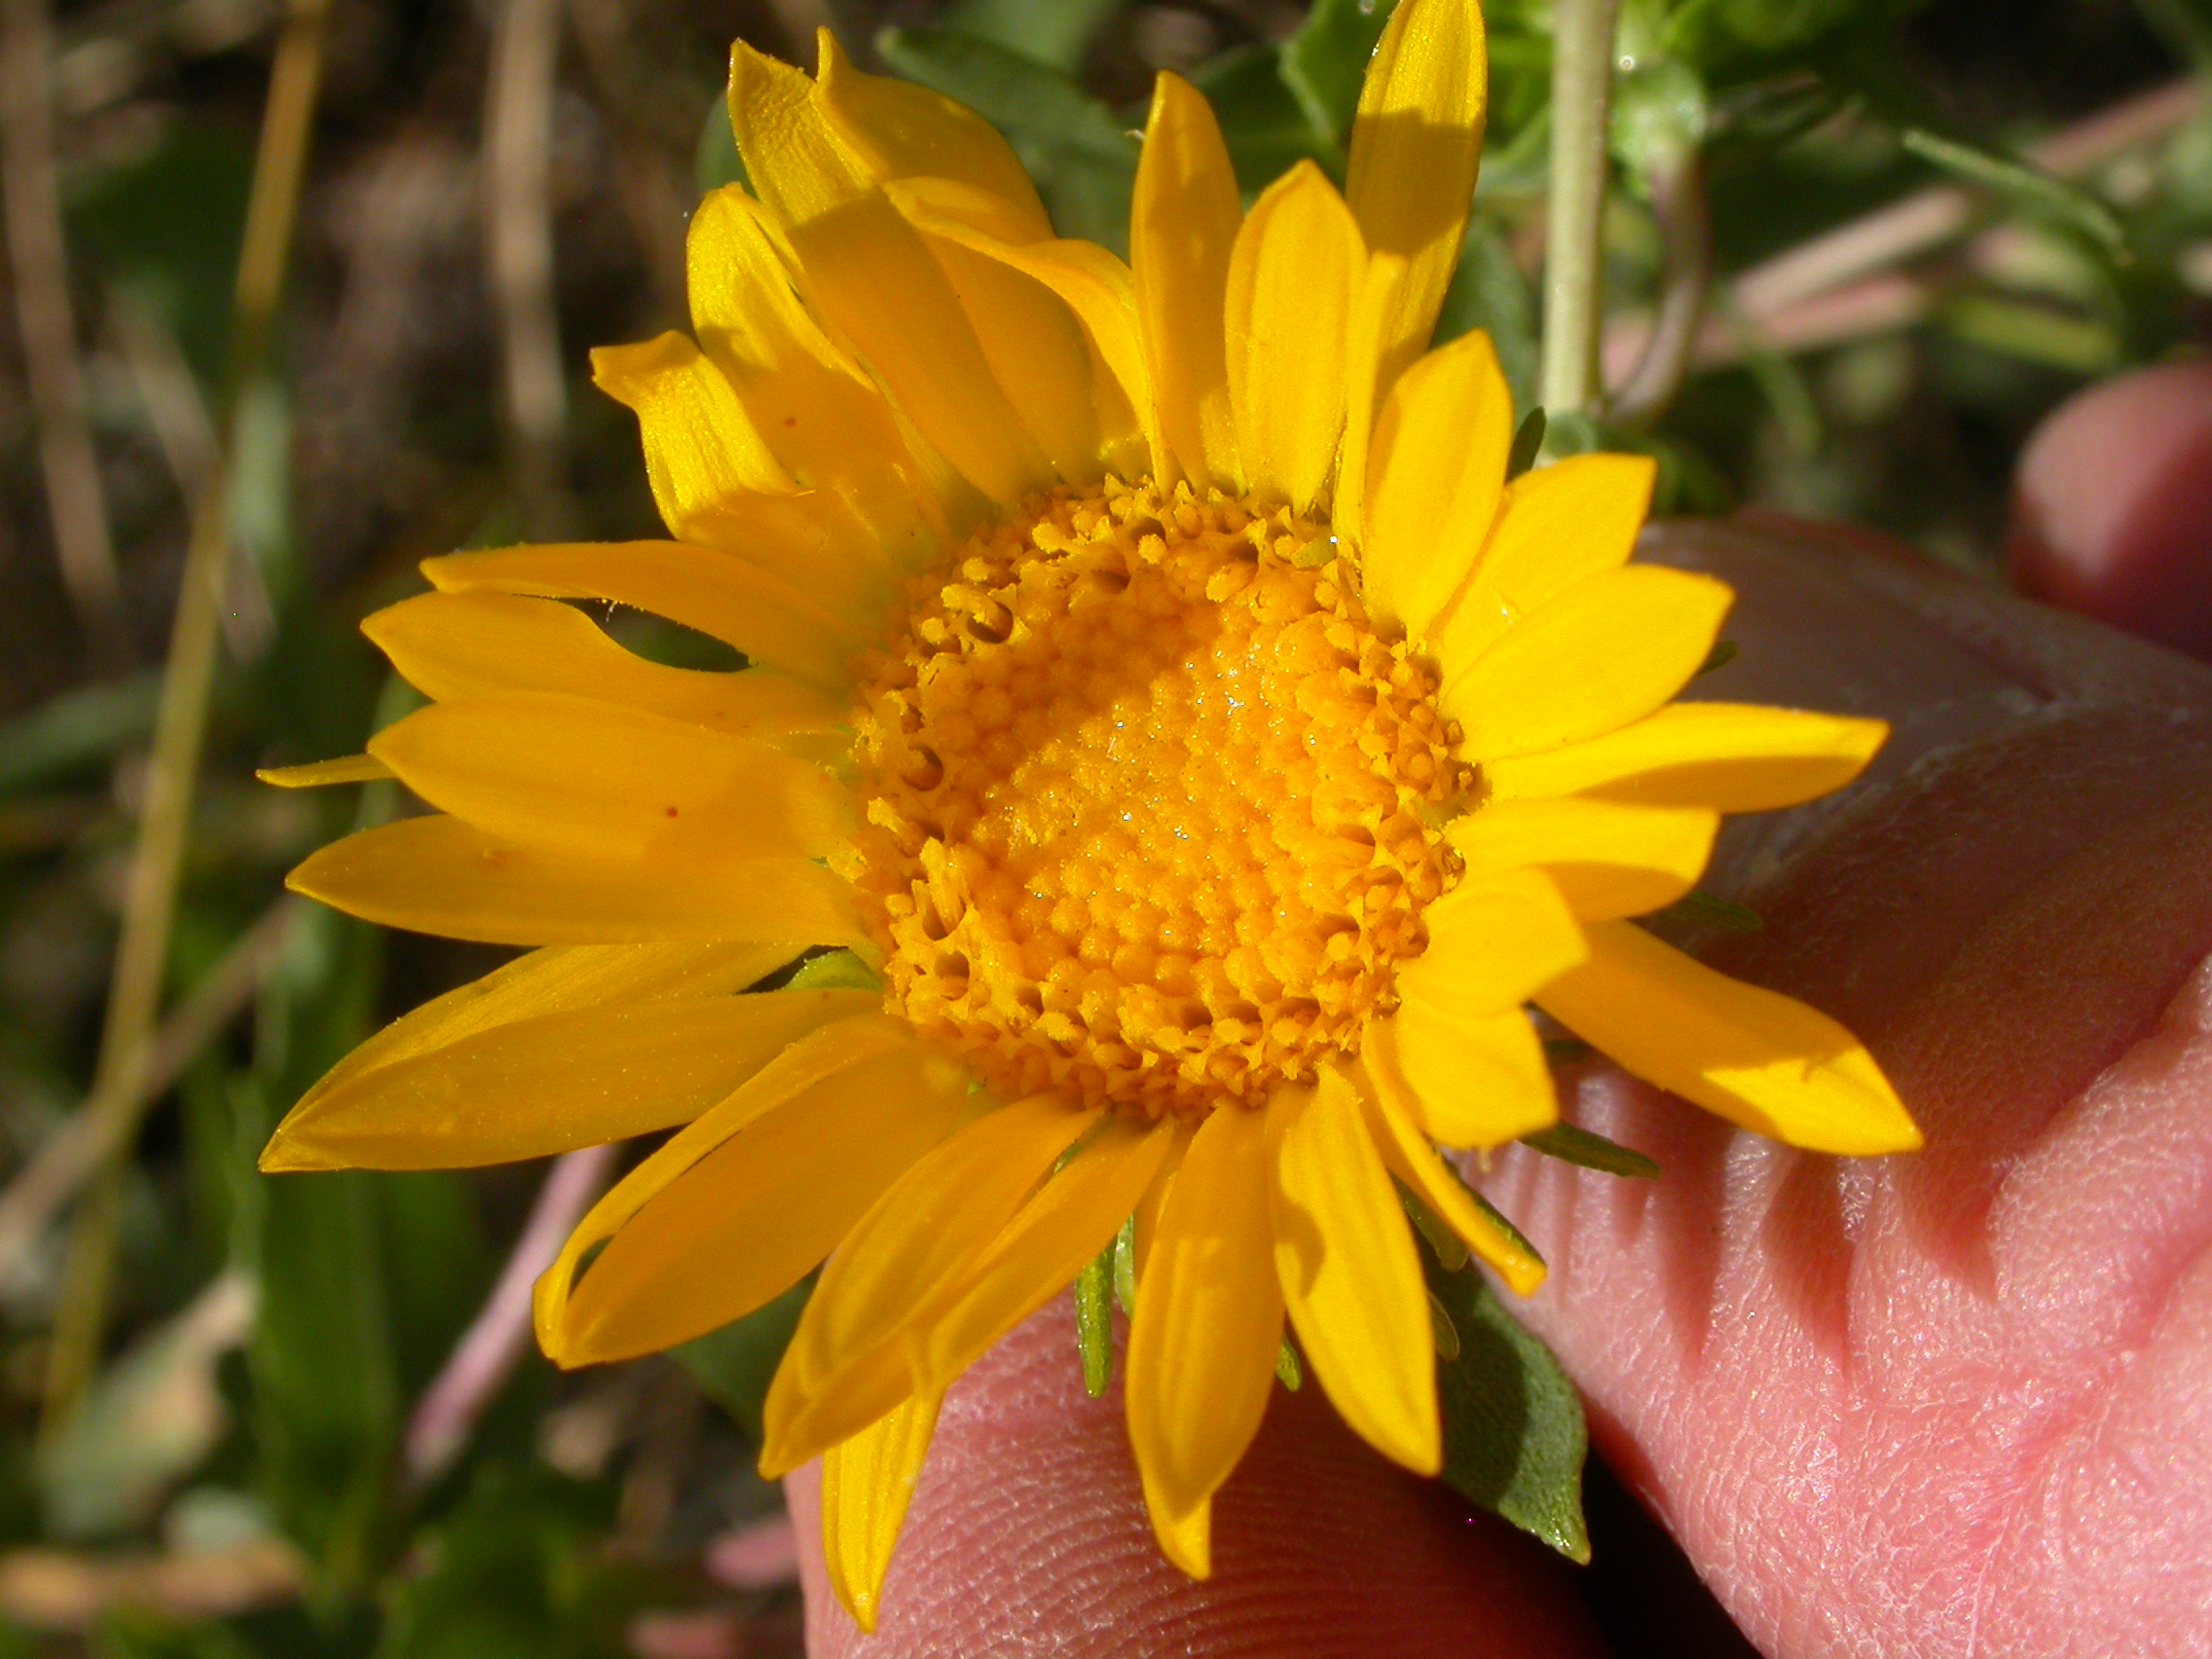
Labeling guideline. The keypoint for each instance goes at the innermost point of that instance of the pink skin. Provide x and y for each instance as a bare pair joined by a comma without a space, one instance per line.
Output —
2115,514
1952,1403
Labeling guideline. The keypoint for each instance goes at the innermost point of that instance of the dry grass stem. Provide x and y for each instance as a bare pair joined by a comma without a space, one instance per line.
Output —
40,266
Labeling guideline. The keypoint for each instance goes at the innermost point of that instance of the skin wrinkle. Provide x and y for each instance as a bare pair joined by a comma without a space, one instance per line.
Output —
1980,1460
1027,1536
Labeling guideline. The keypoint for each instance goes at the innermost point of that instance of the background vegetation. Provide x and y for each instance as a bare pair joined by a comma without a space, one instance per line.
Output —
1855,248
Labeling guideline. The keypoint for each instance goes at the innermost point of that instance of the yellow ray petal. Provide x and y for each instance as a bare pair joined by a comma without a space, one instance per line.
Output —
440,875
799,166
542,984
874,280
315,774
724,597
896,129
866,1483
1467,1079
1095,285
734,1209
1071,1219
1037,351
927,1229
1373,313
539,1086
1351,1278
1416,142
793,1075
1406,1155
1438,472
1492,941
606,781
1145,1222
1757,1058
1730,757
718,486
868,274
1292,276
822,416
1602,654
1557,525
450,645
1039,308
1182,222
1607,860
700,444
1202,1342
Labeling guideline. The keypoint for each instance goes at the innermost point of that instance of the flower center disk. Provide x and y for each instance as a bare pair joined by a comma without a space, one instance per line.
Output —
1151,807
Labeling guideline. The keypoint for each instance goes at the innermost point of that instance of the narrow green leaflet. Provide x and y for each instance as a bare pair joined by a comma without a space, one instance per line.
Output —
1094,1320
2025,186
1514,1437
734,1365
1571,1145
1527,443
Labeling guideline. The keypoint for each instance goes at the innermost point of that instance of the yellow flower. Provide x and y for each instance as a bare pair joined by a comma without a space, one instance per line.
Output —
1155,675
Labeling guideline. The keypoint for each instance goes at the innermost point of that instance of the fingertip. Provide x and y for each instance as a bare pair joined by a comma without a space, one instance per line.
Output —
2113,506
1028,1534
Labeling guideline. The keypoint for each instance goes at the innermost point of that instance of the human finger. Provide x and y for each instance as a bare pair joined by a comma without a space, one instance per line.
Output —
2113,511
1950,1403
1027,1535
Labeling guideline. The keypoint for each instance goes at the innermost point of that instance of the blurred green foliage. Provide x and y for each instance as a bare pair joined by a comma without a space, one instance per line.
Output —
377,440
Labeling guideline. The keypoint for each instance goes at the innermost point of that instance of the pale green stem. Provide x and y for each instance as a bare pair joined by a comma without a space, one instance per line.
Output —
173,773
1582,82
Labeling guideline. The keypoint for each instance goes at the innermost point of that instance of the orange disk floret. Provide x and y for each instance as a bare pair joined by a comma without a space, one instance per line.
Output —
1152,809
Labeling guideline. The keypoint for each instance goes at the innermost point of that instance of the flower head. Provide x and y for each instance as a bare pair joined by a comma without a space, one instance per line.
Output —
1155,676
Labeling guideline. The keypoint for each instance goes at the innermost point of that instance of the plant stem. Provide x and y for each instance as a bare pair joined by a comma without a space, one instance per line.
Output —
1582,81
518,218
39,263
117,1094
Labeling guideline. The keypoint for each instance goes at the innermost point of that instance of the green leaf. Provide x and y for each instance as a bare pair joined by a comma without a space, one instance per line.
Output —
1052,32
1289,1372
1266,128
1324,62
517,1571
1527,443
2033,333
1660,114
1514,1436
2025,186
1572,1145
715,161
328,1385
1723,653
734,1365
1490,291
72,737
1448,1247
